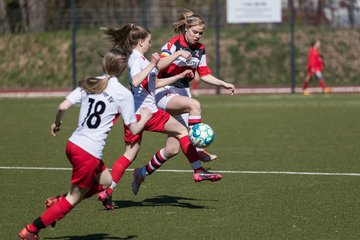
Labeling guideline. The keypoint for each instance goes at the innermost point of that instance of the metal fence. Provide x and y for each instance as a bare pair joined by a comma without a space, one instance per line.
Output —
52,15
21,16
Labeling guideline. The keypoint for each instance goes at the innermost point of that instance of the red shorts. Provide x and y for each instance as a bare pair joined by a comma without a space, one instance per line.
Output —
155,124
85,166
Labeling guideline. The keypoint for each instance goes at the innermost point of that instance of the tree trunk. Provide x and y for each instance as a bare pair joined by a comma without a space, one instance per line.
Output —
24,15
4,24
350,5
37,15
155,14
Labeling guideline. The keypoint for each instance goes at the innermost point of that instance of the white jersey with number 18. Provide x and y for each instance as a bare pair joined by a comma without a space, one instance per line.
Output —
98,113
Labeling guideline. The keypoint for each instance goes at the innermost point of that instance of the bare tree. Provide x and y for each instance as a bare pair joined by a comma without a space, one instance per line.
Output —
4,24
24,15
33,15
350,5
37,15
155,14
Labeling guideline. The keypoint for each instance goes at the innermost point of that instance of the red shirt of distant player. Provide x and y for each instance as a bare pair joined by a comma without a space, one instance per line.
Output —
314,63
197,63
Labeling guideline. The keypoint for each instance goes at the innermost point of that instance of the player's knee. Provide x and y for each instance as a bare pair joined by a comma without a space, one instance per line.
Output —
195,105
107,183
171,150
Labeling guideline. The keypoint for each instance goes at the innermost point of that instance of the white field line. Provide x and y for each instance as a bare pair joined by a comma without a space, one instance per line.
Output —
190,171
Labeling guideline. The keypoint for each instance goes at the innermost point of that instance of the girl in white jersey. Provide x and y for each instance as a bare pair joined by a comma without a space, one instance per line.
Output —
102,100
143,81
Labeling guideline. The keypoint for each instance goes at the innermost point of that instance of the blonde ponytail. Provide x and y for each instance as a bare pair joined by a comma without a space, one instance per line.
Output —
186,20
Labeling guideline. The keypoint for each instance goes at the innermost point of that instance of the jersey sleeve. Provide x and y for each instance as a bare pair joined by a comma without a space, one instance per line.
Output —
75,96
127,107
135,66
203,68
168,49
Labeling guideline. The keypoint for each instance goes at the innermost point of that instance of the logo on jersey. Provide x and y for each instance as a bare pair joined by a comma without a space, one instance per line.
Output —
197,54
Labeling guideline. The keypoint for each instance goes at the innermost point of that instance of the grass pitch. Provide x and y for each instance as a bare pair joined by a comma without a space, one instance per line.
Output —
290,165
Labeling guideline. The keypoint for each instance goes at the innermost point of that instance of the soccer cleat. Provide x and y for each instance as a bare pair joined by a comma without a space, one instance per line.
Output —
326,90
206,175
306,93
137,180
51,201
25,234
204,156
106,200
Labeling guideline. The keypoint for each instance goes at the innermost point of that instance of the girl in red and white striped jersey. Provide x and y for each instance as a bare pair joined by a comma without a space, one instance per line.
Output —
176,98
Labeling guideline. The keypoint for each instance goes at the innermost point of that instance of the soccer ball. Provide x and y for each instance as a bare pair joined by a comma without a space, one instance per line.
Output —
201,135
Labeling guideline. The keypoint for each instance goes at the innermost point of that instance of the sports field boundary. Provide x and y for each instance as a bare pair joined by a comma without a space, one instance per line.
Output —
190,171
211,91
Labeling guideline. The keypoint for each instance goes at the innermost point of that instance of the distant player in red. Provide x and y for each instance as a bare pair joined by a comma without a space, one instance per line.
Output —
315,68
102,100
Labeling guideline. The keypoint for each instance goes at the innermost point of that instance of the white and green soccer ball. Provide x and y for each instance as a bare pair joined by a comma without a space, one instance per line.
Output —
201,135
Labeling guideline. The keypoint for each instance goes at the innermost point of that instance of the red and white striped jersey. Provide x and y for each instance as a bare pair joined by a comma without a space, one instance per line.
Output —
98,113
197,63
144,94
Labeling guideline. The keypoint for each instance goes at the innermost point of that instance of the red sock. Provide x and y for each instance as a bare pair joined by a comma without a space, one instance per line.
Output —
194,120
195,85
52,214
322,84
95,188
156,161
118,170
190,152
306,84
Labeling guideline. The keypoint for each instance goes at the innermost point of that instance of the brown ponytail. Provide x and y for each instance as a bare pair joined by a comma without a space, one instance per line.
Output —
126,37
114,63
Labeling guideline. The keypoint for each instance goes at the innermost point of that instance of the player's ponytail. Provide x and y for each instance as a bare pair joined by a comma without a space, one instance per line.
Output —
114,63
126,37
93,85
187,19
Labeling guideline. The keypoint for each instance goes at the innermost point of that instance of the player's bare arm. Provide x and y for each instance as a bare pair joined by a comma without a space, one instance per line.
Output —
210,79
166,61
138,78
166,81
138,126
55,127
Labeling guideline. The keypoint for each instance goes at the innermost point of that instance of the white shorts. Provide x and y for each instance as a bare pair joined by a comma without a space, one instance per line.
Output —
318,75
163,95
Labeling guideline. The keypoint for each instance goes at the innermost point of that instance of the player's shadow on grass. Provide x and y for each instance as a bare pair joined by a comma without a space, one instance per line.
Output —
97,236
159,201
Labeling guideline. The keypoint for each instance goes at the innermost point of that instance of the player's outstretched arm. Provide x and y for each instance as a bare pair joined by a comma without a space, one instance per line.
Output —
138,126
55,127
166,81
210,79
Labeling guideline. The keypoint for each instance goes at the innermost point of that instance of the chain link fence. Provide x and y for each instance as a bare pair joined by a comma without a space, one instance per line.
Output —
52,15
250,54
